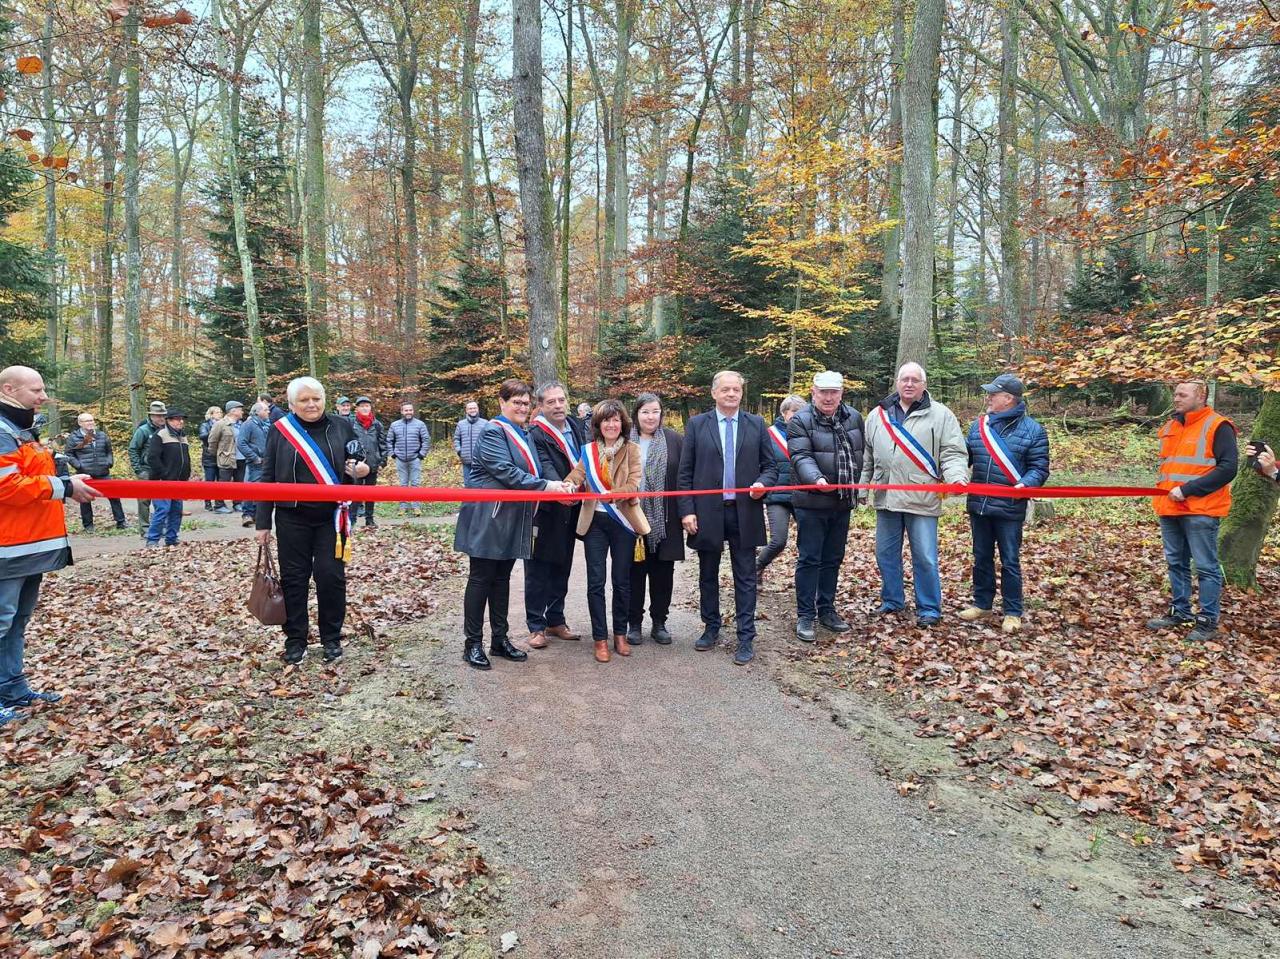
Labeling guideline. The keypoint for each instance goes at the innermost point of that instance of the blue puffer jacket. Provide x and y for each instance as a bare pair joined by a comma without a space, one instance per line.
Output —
1028,446
784,467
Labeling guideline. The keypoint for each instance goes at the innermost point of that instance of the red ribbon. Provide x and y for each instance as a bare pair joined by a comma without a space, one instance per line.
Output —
314,493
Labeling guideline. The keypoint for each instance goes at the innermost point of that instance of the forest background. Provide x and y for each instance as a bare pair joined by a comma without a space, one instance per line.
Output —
415,199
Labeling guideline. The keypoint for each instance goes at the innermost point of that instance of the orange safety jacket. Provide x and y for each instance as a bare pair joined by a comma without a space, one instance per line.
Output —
1186,454
33,527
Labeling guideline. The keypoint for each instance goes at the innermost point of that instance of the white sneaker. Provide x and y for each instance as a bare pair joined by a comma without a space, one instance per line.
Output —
1011,624
971,614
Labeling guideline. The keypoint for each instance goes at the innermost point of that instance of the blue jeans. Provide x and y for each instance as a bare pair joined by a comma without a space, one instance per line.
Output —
820,540
17,601
990,532
409,472
1190,539
166,519
252,473
922,533
608,537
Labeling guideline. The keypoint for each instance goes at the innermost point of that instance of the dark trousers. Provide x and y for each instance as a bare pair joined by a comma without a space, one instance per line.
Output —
988,534
305,539
232,476
743,561
86,511
211,476
488,584
608,537
820,540
370,480
779,522
545,587
660,574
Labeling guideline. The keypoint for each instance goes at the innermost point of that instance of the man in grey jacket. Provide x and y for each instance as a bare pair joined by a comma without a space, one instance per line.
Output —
466,433
251,444
89,451
408,442
911,439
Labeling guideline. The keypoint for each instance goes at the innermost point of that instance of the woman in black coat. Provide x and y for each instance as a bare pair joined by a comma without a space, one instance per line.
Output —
664,545
777,504
307,534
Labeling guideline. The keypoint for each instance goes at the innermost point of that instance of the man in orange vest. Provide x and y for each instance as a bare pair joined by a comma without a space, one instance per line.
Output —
33,528
1198,461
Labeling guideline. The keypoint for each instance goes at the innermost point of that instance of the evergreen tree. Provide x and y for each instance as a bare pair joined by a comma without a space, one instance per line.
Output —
23,289
466,355
274,247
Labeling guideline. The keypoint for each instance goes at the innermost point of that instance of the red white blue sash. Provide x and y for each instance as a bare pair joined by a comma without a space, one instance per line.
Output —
317,461
997,450
779,441
594,470
909,445
518,440
556,437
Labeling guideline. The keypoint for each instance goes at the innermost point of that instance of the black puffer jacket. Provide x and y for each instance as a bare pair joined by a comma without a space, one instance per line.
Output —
813,456
91,455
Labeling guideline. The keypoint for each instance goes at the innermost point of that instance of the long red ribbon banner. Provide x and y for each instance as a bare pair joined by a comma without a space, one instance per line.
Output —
314,493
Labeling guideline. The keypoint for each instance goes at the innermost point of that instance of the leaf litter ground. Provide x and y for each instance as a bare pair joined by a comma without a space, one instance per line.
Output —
192,797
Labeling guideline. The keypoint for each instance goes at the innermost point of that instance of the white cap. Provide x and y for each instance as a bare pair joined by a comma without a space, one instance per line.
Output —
828,380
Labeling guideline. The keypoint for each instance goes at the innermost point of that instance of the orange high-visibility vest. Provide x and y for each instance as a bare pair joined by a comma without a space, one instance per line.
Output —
1186,454
33,526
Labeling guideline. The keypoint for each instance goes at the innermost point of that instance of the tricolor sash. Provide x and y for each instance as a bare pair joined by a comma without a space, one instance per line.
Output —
595,473
779,441
909,445
521,444
556,437
317,461
997,450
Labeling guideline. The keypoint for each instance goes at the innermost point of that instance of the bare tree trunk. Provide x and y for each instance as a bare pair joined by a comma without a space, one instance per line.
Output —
953,189
891,276
50,223
621,188
467,109
105,295
919,169
408,164
499,243
313,191
535,191
132,224
230,147
566,213
1007,135
741,113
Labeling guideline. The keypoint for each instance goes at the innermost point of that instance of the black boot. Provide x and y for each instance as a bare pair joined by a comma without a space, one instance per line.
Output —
474,655
332,651
502,647
635,635
661,635
294,652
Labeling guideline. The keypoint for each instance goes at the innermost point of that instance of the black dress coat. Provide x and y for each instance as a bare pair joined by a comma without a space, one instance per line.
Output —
554,524
671,549
702,467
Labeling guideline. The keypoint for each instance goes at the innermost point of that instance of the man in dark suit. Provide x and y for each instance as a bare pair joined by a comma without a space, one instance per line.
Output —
726,448
557,442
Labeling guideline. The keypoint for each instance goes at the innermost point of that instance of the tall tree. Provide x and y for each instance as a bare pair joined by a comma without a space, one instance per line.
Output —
535,190
132,216
919,170
1007,139
891,275
51,355
315,228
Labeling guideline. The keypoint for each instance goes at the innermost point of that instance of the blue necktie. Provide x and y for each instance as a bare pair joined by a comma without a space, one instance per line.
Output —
571,442
729,482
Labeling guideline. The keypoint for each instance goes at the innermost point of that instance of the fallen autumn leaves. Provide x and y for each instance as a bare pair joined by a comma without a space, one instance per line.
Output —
175,803
1087,702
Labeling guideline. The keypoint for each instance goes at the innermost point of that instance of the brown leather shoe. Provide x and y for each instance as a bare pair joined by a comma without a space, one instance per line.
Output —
602,651
537,641
621,645
562,632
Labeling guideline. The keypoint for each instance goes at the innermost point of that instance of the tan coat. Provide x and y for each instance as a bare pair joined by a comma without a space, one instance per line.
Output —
626,478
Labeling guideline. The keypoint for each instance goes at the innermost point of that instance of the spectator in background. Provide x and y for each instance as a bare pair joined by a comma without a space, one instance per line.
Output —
372,435
408,443
252,444
1264,460
222,439
139,443
168,458
209,462
584,419
343,407
89,451
276,411
466,433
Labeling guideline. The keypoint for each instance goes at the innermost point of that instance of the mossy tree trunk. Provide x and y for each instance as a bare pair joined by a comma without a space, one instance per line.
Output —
1253,503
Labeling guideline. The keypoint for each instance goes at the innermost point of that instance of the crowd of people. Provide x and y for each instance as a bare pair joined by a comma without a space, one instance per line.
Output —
706,490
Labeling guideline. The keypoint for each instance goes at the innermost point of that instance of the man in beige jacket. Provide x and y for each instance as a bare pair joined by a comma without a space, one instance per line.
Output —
911,439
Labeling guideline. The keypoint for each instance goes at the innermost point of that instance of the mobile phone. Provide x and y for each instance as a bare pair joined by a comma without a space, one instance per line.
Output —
1259,446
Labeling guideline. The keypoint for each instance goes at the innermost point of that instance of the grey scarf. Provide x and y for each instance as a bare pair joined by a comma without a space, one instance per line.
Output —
654,480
